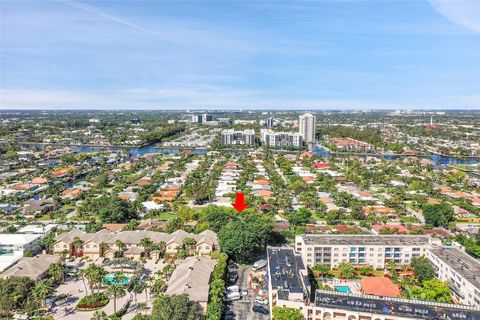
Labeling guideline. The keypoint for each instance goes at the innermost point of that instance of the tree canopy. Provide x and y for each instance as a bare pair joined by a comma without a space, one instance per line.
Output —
177,307
284,313
438,215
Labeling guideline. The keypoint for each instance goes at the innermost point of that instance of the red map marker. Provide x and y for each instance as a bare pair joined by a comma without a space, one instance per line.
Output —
240,204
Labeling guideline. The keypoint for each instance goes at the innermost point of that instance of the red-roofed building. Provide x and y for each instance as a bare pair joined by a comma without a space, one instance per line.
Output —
379,286
388,228
321,166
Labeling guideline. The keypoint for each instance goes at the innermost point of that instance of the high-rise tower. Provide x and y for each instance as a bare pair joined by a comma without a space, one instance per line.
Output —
307,127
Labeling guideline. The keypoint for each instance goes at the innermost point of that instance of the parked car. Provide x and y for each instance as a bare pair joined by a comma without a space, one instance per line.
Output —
232,296
261,300
234,288
230,313
232,277
232,267
260,309
259,264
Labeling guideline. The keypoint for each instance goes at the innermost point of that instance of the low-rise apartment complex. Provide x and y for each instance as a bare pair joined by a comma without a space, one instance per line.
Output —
105,243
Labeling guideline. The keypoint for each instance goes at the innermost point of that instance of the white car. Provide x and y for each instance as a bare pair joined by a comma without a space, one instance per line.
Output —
261,300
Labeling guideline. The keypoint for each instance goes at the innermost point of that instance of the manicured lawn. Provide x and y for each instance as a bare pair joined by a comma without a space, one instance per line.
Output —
166,215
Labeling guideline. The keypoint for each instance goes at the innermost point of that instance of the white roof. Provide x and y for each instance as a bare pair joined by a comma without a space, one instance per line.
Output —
35,228
18,239
152,205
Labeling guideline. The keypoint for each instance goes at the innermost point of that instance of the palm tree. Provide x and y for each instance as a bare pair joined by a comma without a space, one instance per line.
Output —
94,275
83,275
189,244
42,289
77,244
115,291
103,248
161,247
147,244
137,288
119,277
120,246
100,315
346,270
56,271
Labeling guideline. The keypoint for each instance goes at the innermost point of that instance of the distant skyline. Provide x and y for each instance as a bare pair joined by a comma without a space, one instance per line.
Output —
227,54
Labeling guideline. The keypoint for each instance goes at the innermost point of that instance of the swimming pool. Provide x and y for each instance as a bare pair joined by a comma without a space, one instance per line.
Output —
110,279
345,289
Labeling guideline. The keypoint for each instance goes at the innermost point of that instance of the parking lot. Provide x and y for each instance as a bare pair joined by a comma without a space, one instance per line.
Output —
243,307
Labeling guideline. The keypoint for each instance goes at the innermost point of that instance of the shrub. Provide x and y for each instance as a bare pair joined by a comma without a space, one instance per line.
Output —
122,310
92,302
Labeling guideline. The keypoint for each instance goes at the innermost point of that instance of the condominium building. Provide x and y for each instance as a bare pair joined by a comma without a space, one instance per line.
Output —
461,271
372,250
269,122
232,137
280,139
289,286
307,125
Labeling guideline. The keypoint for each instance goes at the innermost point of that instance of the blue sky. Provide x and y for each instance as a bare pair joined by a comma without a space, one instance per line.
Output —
240,54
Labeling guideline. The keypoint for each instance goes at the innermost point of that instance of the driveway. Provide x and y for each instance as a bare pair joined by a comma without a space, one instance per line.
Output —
243,307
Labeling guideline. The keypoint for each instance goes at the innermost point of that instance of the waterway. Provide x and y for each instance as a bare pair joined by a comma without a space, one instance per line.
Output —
317,150
436,158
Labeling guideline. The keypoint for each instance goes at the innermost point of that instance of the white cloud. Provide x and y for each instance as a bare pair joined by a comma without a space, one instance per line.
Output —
462,12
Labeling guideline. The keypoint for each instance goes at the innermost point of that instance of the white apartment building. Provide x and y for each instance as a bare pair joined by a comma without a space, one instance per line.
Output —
461,271
373,250
307,124
13,246
289,286
280,138
232,137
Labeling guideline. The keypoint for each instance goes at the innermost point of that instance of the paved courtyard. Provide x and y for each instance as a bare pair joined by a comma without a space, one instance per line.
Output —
76,289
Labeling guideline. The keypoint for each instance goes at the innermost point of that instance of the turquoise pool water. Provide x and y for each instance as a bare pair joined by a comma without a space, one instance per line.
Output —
110,279
345,289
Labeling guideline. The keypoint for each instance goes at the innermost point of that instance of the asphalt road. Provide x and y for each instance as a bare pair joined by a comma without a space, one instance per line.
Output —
243,307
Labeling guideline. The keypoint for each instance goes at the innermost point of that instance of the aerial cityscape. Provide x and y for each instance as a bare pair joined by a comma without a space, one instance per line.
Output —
240,160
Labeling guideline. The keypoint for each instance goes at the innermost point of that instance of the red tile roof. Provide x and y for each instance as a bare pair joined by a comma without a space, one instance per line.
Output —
379,286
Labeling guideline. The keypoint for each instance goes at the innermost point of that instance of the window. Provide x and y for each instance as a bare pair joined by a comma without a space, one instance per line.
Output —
207,247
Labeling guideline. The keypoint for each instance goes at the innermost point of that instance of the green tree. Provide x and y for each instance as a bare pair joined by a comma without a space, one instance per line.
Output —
284,313
300,218
423,268
433,290
322,269
177,307
14,292
438,215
